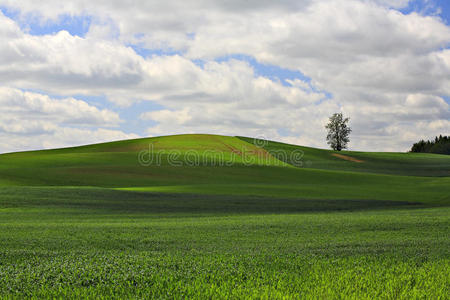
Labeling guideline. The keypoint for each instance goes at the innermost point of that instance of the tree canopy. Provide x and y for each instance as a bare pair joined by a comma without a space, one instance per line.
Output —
440,145
338,132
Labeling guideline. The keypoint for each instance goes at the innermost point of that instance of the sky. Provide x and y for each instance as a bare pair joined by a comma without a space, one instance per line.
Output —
78,71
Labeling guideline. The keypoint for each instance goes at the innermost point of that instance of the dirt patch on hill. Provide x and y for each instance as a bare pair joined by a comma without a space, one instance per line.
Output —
258,152
233,149
349,158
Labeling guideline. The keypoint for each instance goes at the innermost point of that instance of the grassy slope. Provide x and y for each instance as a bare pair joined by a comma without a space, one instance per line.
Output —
252,172
410,164
117,164
330,229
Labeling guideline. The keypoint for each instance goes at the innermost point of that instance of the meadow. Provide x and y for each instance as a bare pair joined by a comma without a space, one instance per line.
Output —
95,222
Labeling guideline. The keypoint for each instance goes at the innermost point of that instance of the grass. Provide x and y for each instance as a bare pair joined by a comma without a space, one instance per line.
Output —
90,242
409,164
91,222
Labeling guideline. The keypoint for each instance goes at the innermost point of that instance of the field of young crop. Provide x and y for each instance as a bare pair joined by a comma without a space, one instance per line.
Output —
93,222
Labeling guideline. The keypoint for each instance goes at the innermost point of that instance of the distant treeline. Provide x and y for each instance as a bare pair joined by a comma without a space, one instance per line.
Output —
440,145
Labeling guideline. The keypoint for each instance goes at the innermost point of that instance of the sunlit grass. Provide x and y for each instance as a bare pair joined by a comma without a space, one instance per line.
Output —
93,222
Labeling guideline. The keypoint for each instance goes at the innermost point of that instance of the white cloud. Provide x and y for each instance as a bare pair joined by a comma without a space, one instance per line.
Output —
35,106
387,70
393,3
34,120
59,137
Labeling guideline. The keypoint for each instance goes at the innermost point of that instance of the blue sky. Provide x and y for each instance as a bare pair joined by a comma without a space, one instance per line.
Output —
431,7
35,25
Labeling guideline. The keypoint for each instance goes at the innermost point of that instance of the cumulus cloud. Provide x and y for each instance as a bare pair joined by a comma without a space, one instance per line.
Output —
64,63
26,105
389,71
234,101
33,120
60,137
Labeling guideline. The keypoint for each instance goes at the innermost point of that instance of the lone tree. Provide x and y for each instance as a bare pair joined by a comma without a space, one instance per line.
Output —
338,132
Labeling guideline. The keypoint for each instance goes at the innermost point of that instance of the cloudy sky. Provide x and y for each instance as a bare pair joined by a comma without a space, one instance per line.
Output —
81,71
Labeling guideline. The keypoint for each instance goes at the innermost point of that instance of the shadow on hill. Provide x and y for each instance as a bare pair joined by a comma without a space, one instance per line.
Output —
98,201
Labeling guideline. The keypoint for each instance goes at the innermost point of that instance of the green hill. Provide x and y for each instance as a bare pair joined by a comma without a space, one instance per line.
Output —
207,216
410,164
212,164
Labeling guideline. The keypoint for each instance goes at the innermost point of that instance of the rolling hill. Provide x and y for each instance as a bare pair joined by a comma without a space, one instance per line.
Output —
212,164
207,216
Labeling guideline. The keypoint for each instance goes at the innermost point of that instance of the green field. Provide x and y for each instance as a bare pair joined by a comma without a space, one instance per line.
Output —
205,216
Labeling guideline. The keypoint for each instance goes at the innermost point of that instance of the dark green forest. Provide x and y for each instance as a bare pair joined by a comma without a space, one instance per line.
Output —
440,145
